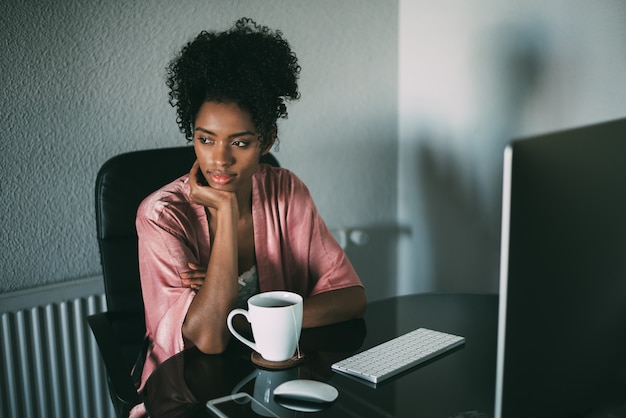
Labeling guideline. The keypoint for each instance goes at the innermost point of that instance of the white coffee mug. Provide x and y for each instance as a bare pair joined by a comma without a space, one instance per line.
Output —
276,319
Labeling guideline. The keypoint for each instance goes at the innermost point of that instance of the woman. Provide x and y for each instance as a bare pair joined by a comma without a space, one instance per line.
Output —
233,227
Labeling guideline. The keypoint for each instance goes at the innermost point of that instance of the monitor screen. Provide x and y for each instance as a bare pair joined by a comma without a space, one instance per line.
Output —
562,321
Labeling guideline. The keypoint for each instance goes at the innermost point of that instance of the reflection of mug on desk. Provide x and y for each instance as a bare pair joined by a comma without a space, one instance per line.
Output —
265,383
276,320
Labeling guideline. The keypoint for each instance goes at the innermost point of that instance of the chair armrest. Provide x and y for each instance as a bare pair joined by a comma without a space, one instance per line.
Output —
121,388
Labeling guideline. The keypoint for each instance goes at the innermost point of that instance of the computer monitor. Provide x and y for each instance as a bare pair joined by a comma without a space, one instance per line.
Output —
562,314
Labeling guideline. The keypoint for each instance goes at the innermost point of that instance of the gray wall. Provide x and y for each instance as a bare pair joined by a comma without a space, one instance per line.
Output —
473,75
83,81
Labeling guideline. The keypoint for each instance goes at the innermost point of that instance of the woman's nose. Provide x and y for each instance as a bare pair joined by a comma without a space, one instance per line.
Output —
223,155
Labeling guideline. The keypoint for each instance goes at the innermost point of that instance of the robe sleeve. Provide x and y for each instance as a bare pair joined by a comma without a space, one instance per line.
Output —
295,249
168,239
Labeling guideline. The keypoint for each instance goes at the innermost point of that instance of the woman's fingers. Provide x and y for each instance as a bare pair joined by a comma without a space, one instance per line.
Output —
193,278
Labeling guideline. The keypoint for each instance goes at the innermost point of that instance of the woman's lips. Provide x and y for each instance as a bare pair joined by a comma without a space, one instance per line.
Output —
222,178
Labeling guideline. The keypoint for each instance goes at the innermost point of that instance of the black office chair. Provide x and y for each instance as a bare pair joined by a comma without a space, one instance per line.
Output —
121,185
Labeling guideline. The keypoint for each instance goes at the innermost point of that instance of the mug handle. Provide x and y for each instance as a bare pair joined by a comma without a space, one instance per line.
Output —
229,321
244,381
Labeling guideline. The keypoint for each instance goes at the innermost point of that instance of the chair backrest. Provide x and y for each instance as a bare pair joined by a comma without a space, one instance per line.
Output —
121,185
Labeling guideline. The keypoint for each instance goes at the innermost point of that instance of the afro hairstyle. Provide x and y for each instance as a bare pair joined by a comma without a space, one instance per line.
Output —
249,64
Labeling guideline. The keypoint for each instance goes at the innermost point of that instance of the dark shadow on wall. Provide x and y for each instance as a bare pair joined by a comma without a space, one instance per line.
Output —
464,224
464,244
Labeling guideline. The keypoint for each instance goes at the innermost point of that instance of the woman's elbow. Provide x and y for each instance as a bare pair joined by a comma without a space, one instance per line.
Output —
207,344
211,347
352,304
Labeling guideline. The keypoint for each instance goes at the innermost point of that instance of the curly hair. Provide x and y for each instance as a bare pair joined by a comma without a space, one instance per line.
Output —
249,64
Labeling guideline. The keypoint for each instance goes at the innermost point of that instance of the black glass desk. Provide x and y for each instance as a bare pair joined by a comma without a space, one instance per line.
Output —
458,384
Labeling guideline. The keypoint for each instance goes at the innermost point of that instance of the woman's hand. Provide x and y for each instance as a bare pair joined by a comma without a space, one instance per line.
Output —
194,277
203,194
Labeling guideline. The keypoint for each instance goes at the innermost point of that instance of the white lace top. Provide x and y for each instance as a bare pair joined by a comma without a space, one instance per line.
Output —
248,286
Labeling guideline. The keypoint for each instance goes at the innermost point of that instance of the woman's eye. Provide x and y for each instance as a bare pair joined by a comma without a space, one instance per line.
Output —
241,144
205,140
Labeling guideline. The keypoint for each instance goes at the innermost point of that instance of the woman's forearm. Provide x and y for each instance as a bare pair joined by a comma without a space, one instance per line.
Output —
205,323
334,306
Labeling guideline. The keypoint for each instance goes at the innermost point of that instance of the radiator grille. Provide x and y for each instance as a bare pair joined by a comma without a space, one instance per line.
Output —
50,365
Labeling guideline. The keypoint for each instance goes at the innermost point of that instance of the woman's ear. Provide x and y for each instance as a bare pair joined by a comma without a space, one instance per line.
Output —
267,145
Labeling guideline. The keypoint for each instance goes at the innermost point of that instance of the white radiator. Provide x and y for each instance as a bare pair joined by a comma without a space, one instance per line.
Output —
50,365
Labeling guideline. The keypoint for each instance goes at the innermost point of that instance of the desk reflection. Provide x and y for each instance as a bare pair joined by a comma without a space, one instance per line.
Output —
459,384
181,386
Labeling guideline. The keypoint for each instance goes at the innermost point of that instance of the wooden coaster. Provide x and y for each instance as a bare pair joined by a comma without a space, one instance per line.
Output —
275,365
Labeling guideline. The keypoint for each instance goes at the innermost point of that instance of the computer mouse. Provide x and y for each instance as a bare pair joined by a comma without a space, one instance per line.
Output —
307,391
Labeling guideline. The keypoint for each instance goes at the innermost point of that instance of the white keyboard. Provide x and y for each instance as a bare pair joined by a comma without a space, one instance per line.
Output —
397,355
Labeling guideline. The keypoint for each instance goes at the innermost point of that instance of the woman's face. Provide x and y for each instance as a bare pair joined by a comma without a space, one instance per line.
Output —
227,146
